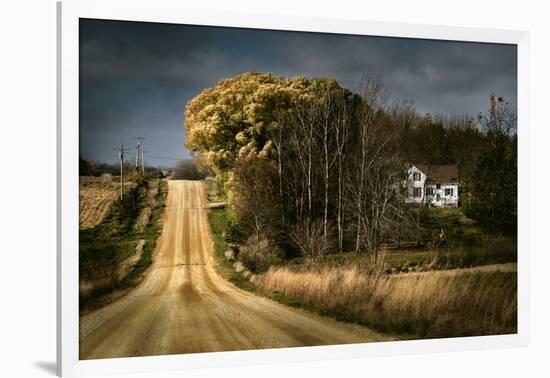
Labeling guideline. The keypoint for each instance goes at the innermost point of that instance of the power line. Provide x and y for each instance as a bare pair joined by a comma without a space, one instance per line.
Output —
164,157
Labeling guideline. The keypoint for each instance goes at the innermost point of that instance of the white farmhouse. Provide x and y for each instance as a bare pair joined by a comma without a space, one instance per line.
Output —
433,185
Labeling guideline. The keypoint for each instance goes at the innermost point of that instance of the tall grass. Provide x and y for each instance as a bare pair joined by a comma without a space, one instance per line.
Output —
425,305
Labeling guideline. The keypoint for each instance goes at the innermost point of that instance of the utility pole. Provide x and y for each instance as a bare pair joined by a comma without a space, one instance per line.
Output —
120,151
139,153
137,156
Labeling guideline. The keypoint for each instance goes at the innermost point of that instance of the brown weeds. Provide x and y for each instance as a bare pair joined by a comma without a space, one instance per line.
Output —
430,304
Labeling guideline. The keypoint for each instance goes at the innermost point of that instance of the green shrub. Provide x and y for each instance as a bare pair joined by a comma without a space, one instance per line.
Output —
233,233
100,260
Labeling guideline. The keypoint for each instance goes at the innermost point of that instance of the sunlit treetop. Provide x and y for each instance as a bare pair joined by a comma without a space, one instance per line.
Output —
236,117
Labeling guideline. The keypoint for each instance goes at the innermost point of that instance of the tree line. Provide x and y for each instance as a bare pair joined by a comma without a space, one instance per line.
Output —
313,167
196,168
88,167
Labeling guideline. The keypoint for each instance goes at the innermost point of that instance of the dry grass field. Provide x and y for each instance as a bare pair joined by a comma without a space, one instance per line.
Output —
97,195
96,199
116,239
426,305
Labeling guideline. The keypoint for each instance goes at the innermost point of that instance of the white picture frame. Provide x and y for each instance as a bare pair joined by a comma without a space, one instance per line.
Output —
171,11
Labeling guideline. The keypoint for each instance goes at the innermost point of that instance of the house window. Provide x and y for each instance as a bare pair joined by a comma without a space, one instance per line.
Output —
449,192
417,192
438,186
416,176
430,191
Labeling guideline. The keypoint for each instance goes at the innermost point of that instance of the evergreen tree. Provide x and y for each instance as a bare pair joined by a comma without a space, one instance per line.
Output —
493,186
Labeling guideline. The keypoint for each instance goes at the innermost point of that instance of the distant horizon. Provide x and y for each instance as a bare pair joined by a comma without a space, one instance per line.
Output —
129,162
136,77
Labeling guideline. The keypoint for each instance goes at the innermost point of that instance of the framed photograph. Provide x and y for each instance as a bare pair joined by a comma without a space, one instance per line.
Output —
240,189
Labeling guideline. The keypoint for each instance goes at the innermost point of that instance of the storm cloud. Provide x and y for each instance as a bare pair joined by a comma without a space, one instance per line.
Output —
135,77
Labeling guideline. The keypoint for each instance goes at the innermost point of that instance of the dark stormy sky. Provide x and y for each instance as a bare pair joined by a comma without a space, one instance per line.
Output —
135,78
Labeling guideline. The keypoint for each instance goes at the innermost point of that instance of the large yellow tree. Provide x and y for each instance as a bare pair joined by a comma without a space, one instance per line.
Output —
237,117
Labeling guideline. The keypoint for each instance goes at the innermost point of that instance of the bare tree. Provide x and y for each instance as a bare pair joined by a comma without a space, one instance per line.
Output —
332,133
310,238
278,138
380,211
501,118
326,123
372,100
341,135
304,116
377,186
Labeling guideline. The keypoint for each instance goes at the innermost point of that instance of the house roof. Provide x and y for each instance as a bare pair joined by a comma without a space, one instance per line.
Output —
442,173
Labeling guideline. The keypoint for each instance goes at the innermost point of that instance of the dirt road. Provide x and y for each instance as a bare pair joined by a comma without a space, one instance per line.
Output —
184,306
